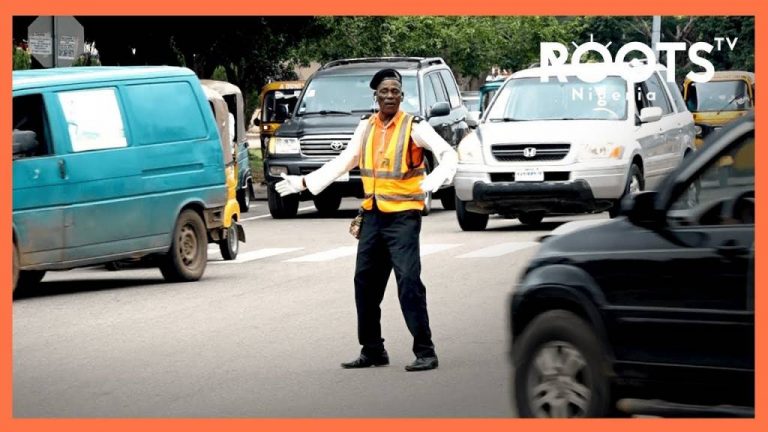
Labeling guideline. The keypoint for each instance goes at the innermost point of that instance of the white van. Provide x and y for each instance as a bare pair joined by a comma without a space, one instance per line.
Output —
551,147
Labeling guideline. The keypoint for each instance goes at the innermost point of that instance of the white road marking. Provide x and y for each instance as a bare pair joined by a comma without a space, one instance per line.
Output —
498,250
257,254
328,255
428,249
269,215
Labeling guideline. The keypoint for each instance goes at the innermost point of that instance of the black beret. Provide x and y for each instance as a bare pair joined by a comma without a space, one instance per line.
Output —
385,74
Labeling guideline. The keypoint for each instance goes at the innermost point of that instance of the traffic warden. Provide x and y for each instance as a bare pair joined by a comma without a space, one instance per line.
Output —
389,149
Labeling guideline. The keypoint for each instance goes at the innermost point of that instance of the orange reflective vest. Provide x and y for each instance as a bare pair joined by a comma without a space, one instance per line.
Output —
387,166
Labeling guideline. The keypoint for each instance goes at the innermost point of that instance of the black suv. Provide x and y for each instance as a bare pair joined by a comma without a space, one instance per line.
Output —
652,313
330,107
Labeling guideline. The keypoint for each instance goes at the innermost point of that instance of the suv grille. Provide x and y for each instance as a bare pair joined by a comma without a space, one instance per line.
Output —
518,152
324,145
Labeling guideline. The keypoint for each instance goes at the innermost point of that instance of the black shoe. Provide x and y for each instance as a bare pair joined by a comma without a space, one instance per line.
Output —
365,361
422,364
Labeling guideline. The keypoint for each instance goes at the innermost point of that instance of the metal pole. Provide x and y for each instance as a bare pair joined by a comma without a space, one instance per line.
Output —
656,35
54,33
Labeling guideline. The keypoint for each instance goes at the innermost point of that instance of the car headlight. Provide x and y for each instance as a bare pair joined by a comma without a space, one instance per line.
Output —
470,150
283,145
602,151
698,130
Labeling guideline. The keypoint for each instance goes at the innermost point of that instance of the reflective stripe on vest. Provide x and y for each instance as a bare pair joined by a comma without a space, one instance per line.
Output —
394,184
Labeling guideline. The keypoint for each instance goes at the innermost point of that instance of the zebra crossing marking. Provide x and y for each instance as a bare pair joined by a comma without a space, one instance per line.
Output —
430,248
498,250
257,254
327,255
493,251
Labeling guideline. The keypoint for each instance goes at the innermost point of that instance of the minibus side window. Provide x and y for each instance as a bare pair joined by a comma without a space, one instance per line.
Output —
30,127
93,119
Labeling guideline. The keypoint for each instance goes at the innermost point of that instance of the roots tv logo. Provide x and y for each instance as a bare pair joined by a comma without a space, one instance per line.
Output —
554,54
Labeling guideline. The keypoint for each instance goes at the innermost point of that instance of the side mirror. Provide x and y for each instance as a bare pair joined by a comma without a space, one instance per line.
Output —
641,210
440,109
650,114
256,118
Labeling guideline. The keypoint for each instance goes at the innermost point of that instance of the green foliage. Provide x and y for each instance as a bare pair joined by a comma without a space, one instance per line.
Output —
21,59
219,74
87,60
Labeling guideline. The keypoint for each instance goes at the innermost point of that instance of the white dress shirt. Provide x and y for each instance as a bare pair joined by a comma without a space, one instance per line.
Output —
421,133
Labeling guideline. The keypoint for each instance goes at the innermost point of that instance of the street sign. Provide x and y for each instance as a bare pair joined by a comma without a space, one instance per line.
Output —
55,41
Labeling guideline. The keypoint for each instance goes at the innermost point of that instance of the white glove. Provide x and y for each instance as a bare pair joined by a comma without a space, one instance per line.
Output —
290,184
435,179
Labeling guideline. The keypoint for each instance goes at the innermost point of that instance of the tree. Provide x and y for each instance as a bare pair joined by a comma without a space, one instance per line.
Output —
21,58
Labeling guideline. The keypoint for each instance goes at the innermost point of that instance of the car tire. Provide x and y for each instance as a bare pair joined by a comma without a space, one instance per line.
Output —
429,195
282,207
327,202
230,246
448,198
15,266
24,279
634,179
469,221
561,338
531,218
188,255
244,196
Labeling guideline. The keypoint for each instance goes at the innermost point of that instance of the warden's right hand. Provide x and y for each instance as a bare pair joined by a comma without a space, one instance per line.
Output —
290,184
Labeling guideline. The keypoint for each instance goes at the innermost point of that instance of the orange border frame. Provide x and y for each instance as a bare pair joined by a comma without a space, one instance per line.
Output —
388,7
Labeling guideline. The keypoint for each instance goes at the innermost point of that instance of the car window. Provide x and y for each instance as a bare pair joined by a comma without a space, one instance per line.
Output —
656,94
453,91
429,93
719,96
94,121
437,84
350,93
677,97
570,100
724,193
278,104
30,127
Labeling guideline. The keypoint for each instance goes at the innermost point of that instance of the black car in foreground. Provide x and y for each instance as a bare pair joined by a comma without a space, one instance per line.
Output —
651,313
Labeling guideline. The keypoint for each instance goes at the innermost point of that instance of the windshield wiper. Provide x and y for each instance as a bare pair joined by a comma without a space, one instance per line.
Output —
326,112
726,105
506,119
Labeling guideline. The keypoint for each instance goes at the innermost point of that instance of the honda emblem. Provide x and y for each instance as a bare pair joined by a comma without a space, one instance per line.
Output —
529,152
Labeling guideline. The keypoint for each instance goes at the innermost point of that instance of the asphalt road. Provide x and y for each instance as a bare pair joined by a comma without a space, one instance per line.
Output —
263,336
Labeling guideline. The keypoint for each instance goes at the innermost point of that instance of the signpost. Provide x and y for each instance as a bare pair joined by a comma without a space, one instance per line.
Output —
55,41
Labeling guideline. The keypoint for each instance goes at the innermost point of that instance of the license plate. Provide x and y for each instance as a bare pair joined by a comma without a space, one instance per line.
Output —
343,178
529,175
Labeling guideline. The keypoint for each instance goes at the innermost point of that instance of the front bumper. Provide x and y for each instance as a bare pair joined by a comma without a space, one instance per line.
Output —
513,198
606,181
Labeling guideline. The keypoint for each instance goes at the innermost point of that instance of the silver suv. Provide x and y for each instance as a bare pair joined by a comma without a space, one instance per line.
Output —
552,147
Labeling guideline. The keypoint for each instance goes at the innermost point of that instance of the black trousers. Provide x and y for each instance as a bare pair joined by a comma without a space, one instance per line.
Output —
387,241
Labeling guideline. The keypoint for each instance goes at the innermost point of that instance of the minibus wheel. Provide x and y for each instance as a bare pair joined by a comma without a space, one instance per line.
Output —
188,255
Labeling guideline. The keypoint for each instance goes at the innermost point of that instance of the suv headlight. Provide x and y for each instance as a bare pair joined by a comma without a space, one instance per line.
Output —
283,145
601,151
470,150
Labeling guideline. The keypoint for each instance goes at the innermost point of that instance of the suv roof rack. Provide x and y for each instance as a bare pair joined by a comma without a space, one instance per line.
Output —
420,62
